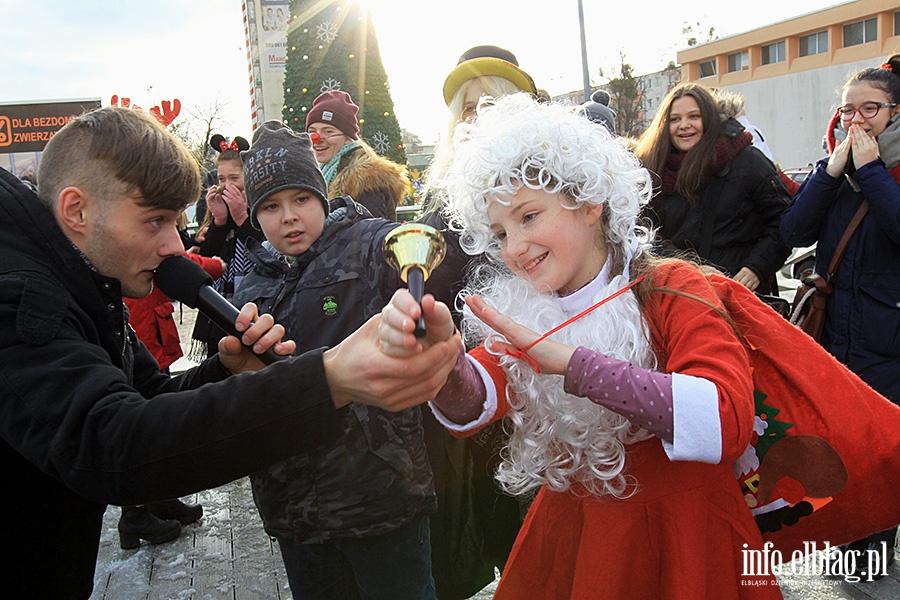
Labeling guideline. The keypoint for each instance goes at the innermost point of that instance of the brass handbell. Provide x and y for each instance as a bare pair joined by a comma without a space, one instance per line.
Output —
415,250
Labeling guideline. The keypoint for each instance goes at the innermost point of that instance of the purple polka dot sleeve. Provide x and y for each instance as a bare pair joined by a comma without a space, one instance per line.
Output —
642,396
461,398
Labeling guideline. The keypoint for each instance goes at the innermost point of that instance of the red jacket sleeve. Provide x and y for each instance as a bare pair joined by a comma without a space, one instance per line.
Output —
791,185
213,266
154,324
692,334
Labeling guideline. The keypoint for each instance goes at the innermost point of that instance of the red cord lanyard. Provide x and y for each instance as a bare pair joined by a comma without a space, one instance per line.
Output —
521,353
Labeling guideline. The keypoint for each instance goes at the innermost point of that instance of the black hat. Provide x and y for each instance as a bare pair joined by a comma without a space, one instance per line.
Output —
597,110
280,159
487,60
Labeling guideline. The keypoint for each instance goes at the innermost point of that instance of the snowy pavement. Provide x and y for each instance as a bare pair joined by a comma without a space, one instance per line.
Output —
226,555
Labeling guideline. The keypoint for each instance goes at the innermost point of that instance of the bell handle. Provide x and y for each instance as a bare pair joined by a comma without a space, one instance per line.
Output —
415,280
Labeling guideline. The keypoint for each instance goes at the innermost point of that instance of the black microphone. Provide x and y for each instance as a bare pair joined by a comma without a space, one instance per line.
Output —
184,280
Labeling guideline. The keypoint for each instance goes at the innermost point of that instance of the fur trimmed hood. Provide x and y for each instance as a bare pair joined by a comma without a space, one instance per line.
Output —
365,172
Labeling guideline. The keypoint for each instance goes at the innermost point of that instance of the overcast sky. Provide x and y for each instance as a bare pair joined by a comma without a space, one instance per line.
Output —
195,50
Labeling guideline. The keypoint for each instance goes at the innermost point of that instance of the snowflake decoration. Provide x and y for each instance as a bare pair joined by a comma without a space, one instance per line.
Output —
380,142
330,85
326,32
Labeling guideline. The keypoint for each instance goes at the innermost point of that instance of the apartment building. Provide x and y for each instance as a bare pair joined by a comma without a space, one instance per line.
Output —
791,72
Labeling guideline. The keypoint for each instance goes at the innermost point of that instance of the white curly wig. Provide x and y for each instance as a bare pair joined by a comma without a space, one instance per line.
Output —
558,440
516,141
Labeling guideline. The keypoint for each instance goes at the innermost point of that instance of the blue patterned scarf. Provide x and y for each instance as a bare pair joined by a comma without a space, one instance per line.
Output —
330,169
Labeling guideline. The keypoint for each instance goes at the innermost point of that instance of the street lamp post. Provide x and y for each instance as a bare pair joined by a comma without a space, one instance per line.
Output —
584,64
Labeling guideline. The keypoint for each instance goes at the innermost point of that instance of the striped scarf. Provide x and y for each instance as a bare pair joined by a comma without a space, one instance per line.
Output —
239,266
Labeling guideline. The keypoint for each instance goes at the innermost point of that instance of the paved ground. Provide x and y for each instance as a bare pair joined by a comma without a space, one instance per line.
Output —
227,555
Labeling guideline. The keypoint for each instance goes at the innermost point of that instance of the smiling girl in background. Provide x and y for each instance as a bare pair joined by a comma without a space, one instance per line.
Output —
721,199
224,233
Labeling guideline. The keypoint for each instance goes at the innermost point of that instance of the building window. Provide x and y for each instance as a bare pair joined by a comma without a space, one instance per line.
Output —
738,62
861,32
814,43
773,53
708,68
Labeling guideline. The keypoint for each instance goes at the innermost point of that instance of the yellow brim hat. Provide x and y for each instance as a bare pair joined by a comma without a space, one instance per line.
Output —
486,65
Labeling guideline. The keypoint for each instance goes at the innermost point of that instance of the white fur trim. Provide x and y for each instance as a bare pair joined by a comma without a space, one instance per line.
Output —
698,426
489,408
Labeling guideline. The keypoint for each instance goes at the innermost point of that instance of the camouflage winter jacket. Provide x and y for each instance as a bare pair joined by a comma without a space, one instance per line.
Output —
376,476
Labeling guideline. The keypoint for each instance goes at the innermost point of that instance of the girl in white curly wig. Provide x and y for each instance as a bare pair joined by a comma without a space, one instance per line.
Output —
628,417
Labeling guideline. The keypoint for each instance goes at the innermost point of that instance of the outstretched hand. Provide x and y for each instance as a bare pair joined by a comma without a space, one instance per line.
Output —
358,371
551,356
398,320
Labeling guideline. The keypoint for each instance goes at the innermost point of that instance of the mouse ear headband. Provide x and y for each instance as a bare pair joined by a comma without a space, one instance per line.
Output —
218,143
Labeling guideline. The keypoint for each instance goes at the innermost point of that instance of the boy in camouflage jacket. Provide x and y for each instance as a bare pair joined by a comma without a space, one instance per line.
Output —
352,515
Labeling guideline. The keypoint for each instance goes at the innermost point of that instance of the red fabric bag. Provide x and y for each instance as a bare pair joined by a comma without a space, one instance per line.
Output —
828,448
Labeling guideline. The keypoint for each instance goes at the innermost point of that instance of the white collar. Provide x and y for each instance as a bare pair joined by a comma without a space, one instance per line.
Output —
587,295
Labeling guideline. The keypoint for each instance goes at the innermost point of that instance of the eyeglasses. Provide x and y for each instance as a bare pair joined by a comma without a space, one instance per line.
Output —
316,137
867,110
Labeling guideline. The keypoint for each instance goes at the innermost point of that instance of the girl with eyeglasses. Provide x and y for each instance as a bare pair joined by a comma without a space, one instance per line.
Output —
862,314
350,166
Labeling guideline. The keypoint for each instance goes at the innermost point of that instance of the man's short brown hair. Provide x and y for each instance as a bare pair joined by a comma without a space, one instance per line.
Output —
113,151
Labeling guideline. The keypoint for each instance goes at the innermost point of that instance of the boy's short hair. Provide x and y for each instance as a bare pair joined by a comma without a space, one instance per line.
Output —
114,151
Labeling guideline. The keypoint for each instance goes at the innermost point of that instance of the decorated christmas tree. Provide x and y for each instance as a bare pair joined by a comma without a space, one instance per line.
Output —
332,46
775,429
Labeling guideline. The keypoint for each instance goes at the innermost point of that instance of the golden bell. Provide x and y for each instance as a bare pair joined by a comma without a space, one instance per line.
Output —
415,250
414,244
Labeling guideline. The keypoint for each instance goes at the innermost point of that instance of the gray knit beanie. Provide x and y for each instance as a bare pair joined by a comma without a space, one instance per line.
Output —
280,159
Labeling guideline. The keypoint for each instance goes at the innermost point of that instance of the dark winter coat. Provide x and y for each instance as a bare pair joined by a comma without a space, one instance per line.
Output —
376,477
228,242
862,315
372,180
87,419
739,214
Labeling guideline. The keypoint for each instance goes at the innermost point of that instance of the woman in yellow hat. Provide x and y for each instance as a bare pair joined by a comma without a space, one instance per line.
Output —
476,523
